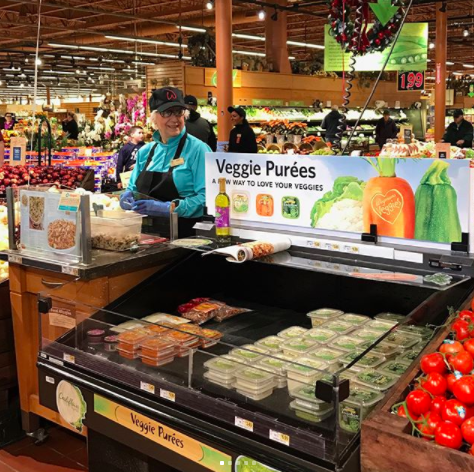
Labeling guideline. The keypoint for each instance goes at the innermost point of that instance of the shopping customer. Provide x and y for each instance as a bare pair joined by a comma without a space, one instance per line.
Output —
197,126
127,156
8,122
385,129
169,174
331,124
459,132
242,138
70,126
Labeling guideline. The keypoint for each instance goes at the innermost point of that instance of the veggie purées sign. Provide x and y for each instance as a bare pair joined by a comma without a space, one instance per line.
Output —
424,199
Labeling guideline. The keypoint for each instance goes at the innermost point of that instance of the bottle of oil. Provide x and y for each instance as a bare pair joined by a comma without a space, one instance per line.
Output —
222,221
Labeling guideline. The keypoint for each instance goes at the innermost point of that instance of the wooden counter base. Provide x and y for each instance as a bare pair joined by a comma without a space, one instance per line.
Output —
25,284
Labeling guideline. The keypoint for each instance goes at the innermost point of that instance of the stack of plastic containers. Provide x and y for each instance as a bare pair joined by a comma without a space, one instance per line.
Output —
304,371
129,343
222,370
248,353
307,406
254,383
323,315
158,351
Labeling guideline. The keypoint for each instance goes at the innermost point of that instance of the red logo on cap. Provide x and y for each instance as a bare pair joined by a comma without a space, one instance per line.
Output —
170,95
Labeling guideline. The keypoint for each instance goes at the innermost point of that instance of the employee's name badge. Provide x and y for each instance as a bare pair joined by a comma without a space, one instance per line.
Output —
239,136
177,162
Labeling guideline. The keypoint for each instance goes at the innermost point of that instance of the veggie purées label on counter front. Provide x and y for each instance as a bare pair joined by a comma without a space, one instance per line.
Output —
423,199
185,446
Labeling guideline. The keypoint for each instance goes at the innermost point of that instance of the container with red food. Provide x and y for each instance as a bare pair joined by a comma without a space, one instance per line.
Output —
185,341
130,341
159,330
210,337
158,351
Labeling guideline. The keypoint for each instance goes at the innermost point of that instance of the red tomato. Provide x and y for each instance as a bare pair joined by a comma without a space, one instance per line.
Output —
418,402
462,362
467,430
428,423
469,346
437,404
461,328
433,363
463,389
435,384
454,411
401,411
450,347
448,435
466,315
452,379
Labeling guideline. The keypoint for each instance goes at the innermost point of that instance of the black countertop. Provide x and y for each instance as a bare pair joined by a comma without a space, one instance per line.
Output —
104,262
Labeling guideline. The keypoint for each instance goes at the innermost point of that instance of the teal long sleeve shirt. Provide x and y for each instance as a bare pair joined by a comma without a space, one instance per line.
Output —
189,177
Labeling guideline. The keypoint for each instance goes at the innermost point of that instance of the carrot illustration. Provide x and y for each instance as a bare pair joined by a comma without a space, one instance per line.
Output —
389,201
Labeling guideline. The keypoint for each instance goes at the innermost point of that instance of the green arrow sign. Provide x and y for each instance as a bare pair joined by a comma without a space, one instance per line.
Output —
384,10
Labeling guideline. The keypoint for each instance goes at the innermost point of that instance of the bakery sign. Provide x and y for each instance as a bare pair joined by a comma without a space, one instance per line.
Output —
421,199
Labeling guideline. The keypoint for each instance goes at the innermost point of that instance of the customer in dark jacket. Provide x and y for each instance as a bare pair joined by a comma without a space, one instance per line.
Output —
459,132
197,126
242,138
70,126
385,129
331,123
127,157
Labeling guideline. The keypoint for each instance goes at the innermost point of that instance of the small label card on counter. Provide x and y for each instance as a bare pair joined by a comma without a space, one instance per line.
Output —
70,270
244,424
167,395
69,202
443,150
280,437
50,380
147,387
69,358
14,259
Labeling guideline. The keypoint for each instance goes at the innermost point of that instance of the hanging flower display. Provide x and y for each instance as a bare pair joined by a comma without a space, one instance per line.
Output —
349,24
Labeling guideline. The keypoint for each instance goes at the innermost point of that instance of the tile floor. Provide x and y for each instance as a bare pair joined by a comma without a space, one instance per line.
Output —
62,452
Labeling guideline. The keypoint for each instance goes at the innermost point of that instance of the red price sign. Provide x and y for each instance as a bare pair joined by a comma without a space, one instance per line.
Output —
409,81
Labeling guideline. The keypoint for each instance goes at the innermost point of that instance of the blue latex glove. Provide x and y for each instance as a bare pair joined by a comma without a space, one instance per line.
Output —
152,208
127,200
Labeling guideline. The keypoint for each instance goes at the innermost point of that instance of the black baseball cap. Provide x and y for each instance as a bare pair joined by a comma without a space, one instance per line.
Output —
190,100
386,112
458,113
239,110
165,98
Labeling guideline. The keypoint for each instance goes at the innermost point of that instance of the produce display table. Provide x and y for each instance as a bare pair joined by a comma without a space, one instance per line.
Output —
108,277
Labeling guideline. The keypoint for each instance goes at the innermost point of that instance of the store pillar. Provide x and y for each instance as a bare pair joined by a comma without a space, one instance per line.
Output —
224,63
440,71
276,48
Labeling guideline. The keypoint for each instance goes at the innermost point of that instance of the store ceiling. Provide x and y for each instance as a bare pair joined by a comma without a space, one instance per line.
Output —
89,25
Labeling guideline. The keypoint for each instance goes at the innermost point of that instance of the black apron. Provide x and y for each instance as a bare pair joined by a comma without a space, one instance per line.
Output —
161,186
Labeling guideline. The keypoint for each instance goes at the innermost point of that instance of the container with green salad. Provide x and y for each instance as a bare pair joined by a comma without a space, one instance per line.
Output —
290,207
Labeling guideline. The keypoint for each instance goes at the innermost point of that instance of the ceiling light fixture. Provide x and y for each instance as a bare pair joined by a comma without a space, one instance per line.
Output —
192,28
449,63
39,62
306,45
143,63
465,33
261,15
432,45
145,41
248,36
210,4
468,66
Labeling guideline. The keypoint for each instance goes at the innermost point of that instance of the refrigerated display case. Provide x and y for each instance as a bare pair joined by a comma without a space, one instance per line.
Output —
199,411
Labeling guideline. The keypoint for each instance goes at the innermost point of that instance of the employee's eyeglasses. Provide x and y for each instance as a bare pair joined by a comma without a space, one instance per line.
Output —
178,113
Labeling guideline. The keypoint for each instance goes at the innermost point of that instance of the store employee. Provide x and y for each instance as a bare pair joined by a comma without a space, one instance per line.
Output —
171,169
459,132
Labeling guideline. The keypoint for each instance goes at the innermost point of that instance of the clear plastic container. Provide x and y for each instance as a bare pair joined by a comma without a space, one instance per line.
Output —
422,332
339,327
223,366
394,367
354,319
254,379
293,332
305,396
128,325
320,335
276,367
346,343
388,350
304,371
318,317
155,348
380,325
210,338
256,396
329,356
248,353
376,380
389,317
367,334
155,361
216,379
410,355
298,347
309,415
357,406
271,343
132,340
161,318
369,360
128,353
118,233
402,340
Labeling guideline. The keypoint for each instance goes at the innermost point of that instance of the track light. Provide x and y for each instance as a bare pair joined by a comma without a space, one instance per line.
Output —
465,33
275,15
38,62
432,45
210,5
261,15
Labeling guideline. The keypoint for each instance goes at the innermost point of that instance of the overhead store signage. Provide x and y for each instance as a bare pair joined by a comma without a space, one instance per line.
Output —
346,194
210,78
411,81
409,54
185,446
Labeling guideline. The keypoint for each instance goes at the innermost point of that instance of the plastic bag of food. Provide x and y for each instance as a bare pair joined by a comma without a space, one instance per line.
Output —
201,310
227,312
